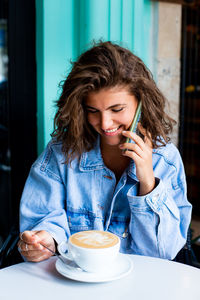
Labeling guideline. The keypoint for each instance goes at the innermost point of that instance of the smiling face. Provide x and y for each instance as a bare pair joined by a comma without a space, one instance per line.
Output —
110,111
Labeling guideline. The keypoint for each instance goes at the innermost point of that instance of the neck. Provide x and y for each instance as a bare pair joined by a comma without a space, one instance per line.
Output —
105,148
114,160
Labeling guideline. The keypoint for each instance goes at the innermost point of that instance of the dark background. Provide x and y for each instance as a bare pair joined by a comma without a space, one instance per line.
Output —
17,108
189,139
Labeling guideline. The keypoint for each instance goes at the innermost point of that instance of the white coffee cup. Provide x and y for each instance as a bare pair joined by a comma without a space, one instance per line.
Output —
93,250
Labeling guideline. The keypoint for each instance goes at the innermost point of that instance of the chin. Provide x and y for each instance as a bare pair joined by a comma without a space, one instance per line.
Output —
115,141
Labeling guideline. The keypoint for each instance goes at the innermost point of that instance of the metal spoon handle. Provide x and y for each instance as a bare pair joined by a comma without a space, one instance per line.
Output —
69,262
53,252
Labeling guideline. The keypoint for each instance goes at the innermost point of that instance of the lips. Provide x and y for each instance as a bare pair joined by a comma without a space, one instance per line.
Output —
110,132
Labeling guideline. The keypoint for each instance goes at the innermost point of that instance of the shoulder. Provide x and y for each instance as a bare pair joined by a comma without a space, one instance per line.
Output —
168,163
53,150
169,153
51,160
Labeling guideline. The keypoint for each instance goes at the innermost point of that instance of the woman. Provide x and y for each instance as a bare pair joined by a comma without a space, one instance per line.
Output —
88,176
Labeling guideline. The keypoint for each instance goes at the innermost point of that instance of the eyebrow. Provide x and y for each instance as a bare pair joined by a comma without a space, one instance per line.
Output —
110,107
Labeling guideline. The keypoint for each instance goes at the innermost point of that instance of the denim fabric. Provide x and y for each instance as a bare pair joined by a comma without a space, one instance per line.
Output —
63,199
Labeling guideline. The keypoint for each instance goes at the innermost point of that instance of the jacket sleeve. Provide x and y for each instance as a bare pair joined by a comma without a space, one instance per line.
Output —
42,205
160,220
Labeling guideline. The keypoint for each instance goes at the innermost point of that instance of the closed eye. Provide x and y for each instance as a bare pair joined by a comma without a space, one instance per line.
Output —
114,108
117,110
93,111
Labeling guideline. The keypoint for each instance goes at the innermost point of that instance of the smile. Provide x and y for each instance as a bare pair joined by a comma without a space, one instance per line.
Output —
111,130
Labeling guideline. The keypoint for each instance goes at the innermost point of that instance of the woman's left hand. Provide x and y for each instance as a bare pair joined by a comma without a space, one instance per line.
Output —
141,153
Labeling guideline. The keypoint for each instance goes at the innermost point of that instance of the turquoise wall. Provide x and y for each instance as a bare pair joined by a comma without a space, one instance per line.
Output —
65,28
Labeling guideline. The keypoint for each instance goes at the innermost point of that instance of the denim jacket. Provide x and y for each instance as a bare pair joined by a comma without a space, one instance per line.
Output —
63,199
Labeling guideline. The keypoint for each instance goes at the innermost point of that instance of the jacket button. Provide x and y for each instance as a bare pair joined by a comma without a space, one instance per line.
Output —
125,234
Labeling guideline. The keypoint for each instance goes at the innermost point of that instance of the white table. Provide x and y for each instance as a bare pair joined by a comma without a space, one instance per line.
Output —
151,278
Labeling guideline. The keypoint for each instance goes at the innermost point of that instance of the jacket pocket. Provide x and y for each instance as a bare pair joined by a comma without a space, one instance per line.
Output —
120,228
80,220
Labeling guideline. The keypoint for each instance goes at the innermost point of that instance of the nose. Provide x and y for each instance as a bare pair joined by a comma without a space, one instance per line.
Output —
106,121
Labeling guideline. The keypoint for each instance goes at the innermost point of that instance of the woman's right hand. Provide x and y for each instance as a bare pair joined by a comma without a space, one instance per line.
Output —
30,245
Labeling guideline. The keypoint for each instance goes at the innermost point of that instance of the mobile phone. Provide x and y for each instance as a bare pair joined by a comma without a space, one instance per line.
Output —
135,121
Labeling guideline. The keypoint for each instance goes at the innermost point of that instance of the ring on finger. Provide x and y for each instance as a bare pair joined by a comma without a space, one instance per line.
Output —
21,235
19,247
26,247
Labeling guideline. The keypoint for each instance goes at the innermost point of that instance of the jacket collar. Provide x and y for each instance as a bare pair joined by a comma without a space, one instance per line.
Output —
92,160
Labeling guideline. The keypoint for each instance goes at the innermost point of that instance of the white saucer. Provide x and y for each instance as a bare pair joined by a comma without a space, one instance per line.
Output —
122,267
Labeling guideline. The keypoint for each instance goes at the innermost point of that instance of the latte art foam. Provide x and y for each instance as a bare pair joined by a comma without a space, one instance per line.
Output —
94,239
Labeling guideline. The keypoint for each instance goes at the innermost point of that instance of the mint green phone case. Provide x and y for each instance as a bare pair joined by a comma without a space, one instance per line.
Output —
136,119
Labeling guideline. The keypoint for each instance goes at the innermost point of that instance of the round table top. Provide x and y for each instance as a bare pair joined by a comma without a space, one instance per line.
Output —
151,278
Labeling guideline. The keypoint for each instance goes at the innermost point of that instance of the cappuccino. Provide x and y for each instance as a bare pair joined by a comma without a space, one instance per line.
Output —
94,239
93,250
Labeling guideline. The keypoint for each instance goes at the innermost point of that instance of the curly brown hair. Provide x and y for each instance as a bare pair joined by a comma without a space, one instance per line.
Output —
107,65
